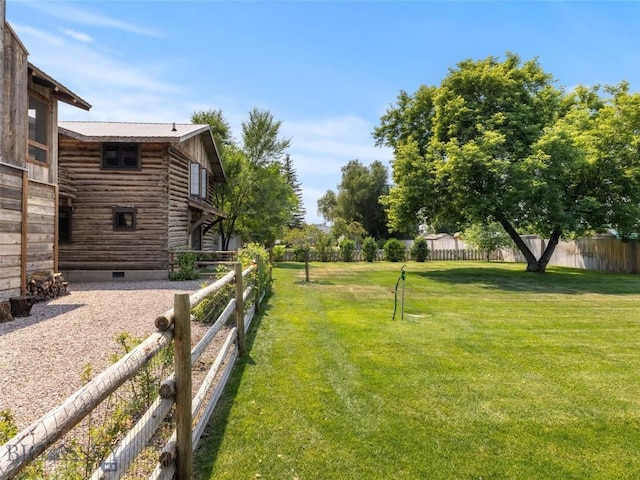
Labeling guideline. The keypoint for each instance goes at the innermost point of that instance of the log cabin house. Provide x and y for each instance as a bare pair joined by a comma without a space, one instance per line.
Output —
132,192
28,165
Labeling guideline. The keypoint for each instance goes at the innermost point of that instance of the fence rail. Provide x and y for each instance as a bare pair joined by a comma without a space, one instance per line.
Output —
191,413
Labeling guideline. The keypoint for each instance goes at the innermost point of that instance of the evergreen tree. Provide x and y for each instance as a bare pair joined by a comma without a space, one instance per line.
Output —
297,221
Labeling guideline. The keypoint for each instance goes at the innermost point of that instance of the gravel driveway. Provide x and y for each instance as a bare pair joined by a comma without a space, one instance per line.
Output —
42,356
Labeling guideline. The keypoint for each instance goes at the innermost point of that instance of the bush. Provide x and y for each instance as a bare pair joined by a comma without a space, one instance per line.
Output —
369,249
300,253
347,247
324,248
394,250
187,268
278,253
251,253
419,250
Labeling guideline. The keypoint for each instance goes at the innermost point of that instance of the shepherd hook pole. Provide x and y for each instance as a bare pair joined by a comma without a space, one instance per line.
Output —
395,303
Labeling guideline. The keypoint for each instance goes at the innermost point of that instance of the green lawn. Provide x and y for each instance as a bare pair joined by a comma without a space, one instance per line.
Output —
492,374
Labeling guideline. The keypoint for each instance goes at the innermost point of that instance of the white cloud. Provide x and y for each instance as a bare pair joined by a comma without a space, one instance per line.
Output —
79,36
90,19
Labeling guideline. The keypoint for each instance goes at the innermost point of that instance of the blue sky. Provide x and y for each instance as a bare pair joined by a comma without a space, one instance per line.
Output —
328,70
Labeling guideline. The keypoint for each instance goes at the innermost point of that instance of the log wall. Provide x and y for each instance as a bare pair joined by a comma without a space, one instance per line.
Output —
180,216
94,244
178,229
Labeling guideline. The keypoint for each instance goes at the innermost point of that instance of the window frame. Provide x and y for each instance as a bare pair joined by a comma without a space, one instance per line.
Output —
33,142
120,148
198,186
117,226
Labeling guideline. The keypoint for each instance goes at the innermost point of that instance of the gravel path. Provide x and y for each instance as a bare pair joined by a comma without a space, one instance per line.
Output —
42,356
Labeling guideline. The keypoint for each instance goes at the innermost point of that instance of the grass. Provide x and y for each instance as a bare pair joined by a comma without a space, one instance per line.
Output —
492,374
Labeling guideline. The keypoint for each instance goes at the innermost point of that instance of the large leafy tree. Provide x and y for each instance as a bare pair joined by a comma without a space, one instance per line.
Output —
497,141
258,199
358,197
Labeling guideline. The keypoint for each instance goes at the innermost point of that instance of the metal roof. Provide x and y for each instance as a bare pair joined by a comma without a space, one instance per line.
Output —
131,132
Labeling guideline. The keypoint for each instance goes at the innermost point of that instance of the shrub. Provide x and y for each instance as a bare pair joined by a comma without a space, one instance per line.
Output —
300,253
419,250
347,247
369,249
394,250
187,268
278,253
256,252
324,248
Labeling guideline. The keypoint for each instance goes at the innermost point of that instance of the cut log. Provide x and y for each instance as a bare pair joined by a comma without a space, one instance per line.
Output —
5,312
21,306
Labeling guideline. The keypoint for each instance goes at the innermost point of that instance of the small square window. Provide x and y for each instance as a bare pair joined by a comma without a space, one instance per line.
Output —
121,156
124,218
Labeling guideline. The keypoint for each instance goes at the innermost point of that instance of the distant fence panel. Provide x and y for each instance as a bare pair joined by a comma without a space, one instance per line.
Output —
63,444
434,255
605,254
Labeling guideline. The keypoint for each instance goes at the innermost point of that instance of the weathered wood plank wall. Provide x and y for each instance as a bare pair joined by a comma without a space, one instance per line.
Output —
10,231
94,243
41,218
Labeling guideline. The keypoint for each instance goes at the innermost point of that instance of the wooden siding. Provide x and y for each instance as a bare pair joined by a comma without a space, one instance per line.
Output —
14,98
94,244
193,148
41,218
10,231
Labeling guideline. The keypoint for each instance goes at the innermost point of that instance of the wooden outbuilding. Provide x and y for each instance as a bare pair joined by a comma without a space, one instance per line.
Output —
28,164
130,193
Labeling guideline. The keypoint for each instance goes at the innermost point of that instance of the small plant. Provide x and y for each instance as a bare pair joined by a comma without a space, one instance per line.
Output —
347,247
278,253
420,249
8,428
187,267
369,249
394,250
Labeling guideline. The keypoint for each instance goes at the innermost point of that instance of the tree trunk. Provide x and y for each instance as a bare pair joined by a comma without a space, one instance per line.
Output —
532,262
548,251
533,265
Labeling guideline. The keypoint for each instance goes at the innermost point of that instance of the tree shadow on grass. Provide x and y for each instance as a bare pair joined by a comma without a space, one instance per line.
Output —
289,265
556,280
207,451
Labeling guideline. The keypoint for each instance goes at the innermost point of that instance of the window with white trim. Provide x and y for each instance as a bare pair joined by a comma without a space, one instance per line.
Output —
197,180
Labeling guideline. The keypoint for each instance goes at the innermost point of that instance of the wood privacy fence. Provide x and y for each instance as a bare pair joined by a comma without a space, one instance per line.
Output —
435,255
605,254
191,414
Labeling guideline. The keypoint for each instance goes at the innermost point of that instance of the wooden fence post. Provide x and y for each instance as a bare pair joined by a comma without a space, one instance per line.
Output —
256,286
182,361
239,309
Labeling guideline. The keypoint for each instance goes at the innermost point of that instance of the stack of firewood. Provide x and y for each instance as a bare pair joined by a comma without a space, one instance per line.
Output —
45,285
